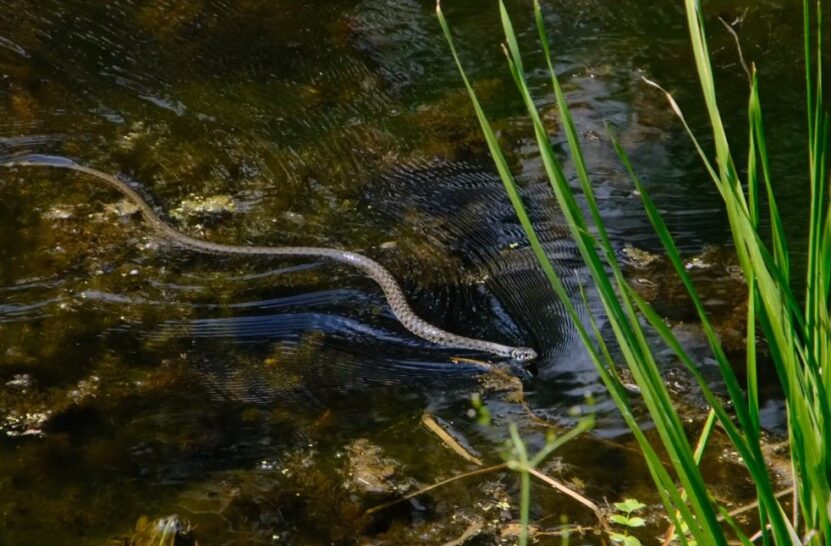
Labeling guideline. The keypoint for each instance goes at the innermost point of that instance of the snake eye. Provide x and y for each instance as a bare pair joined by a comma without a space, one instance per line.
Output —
524,354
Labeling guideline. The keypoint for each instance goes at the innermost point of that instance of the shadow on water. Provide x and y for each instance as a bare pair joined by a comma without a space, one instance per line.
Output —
137,379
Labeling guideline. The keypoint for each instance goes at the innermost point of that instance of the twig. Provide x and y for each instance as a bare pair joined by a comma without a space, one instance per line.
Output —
582,529
472,529
732,31
550,481
573,494
732,513
742,509
409,496
428,421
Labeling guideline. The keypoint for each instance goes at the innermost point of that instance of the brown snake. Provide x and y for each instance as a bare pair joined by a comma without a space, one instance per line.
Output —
394,295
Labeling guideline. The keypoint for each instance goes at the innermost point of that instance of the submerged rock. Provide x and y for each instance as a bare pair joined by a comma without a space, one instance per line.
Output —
638,258
368,470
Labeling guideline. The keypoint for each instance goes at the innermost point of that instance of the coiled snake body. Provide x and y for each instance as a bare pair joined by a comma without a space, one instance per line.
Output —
394,295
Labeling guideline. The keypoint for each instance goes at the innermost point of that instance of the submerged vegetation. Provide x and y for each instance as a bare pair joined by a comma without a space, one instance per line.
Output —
794,324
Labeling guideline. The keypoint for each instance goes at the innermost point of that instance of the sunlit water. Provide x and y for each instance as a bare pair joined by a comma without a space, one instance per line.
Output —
138,379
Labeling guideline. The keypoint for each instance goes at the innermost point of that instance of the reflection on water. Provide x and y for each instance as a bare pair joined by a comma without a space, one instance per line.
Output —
137,379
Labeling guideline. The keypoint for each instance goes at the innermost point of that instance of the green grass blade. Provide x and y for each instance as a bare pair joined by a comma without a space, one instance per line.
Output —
573,141
673,500
809,100
704,436
586,244
624,323
799,339
731,521
748,450
751,372
747,440
751,369
731,382
582,426
780,246
502,165
817,208
525,484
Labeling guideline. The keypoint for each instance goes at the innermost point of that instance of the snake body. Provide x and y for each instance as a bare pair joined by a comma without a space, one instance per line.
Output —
394,295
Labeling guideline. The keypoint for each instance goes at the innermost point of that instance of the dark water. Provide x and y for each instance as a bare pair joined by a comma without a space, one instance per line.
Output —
137,379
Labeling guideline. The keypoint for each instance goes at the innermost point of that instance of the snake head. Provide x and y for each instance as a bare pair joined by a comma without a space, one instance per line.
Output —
524,354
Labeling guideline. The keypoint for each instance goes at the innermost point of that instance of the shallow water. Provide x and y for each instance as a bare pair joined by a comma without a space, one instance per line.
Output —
138,379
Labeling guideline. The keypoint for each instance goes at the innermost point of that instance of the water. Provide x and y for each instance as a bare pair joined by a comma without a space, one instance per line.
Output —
137,379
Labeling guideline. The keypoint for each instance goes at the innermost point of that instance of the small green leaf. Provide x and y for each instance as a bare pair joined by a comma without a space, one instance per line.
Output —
630,505
620,519
626,540
636,522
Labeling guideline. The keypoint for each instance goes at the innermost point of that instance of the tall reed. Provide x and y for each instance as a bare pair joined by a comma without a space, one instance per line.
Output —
795,328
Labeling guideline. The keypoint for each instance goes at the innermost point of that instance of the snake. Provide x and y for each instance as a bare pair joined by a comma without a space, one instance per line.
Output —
395,296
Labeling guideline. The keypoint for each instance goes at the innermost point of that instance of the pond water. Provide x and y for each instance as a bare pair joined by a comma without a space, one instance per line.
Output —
141,380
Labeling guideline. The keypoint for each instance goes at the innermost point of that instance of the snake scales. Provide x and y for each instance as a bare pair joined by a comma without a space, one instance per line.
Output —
394,295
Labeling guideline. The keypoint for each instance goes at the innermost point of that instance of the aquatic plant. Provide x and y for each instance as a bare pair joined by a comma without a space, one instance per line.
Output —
795,327
625,518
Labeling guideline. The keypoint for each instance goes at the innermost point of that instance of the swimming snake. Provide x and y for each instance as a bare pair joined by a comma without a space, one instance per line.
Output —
394,295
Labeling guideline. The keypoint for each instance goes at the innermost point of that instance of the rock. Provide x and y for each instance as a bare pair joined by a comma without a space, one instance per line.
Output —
369,471
638,258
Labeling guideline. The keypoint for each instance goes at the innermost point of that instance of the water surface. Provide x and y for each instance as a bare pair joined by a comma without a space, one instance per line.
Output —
138,379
